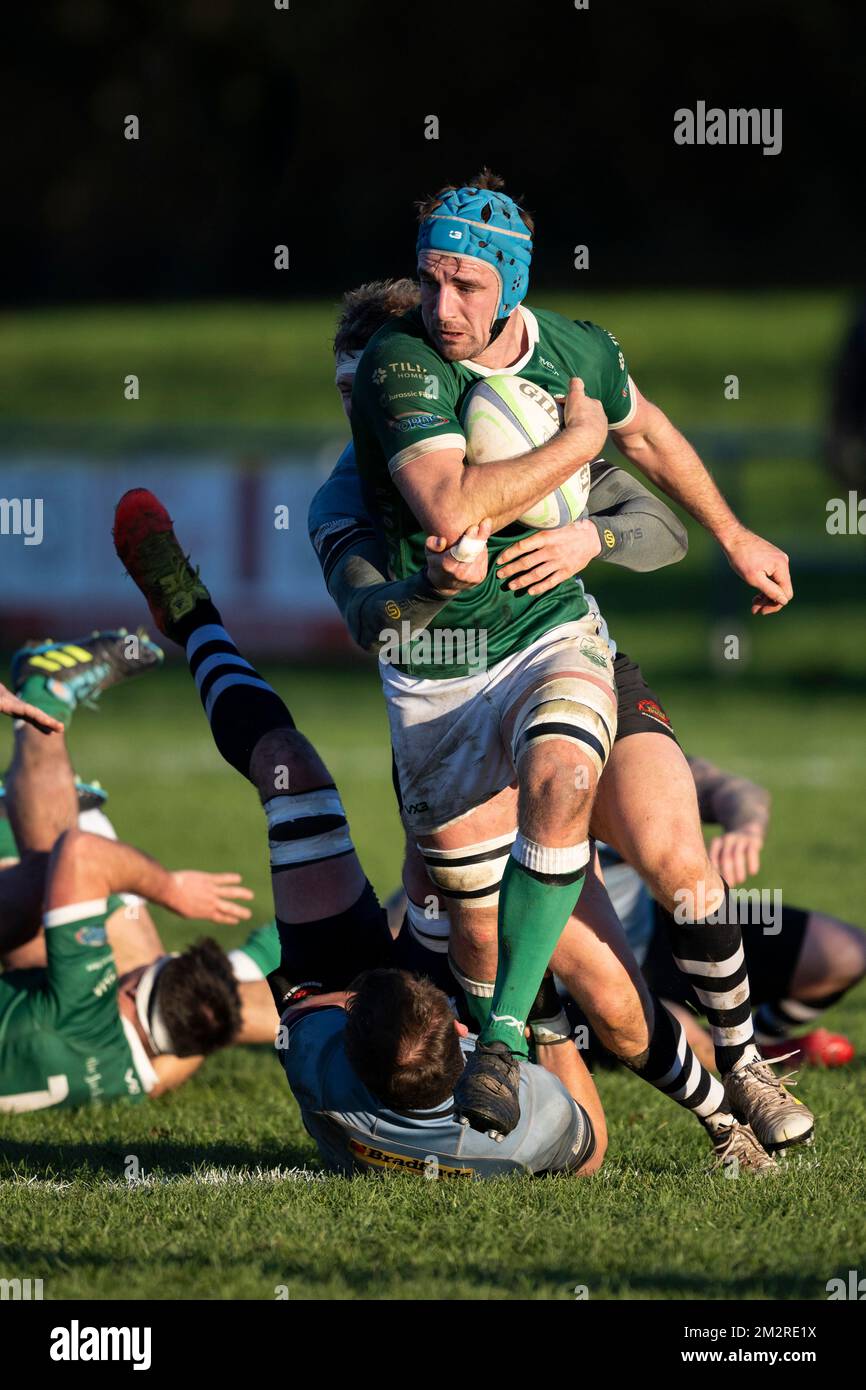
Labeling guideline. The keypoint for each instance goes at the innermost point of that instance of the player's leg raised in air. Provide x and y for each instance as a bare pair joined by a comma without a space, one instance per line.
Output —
41,797
330,923
647,808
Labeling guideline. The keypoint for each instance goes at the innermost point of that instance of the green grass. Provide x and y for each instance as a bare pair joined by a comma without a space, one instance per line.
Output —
651,1225
254,365
789,712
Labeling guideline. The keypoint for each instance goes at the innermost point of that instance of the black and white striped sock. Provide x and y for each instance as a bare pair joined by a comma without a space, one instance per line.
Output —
239,704
783,1017
711,957
671,1066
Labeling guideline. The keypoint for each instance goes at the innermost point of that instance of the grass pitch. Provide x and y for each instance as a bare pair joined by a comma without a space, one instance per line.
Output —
232,1203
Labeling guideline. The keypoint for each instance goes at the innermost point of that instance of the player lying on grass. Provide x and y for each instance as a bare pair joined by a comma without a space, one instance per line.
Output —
374,1068
375,1083
58,678
330,925
647,793
800,965
42,1023
76,1032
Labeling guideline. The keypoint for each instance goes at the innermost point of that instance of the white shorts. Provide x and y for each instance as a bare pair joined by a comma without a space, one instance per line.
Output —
457,741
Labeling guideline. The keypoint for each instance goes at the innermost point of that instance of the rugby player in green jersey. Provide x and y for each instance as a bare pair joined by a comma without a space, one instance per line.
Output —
329,924
541,710
110,1014
77,1032
591,959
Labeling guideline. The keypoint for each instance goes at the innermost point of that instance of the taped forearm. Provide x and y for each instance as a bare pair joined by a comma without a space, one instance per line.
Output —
636,529
729,801
371,604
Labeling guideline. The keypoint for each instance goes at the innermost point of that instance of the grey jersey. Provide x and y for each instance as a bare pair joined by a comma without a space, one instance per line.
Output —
354,1132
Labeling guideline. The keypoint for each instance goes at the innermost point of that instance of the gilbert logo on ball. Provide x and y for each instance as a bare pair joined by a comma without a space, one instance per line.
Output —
506,416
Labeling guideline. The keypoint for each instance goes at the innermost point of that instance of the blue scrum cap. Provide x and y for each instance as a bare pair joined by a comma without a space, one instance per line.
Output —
487,225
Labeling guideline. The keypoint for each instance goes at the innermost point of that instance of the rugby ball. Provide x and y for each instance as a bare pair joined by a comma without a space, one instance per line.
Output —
505,416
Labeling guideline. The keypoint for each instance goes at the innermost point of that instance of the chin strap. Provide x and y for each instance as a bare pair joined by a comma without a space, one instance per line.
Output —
498,326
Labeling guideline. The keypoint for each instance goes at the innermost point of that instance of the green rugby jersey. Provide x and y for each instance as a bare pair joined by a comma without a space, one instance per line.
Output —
406,403
62,1038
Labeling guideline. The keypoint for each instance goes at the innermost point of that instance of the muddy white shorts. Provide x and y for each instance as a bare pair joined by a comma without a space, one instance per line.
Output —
457,742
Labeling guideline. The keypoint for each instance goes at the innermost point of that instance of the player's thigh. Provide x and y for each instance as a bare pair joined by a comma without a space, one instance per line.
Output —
561,688
464,862
558,717
310,892
832,957
647,808
315,871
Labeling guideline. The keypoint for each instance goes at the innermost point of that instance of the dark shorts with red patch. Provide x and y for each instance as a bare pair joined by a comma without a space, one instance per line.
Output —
639,708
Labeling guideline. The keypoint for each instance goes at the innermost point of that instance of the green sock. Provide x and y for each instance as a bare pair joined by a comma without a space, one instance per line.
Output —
531,918
479,1009
37,691
477,993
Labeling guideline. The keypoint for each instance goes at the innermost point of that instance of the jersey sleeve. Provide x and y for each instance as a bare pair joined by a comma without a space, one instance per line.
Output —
405,399
339,520
259,954
615,386
82,976
636,529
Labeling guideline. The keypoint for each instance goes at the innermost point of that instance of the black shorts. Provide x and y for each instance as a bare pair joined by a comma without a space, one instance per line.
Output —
770,960
411,955
332,951
638,707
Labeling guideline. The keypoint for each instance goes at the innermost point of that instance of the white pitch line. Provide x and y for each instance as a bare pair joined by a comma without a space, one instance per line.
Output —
208,1177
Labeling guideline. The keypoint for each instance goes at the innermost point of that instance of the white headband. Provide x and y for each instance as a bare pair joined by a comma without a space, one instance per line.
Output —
149,1014
347,363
